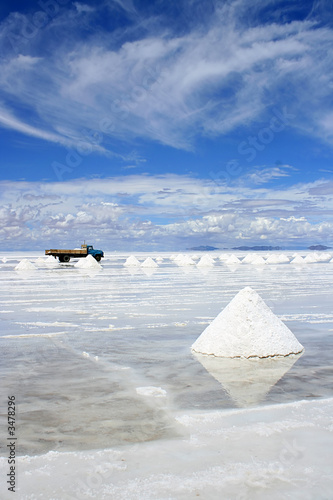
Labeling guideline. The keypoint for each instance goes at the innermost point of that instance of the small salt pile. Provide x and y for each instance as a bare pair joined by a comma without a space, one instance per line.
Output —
4,260
297,260
206,261
186,261
324,257
273,259
25,265
149,262
245,328
310,259
233,260
51,261
283,259
258,261
88,262
132,261
249,258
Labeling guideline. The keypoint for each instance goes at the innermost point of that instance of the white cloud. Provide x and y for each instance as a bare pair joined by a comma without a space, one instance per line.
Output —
123,211
166,86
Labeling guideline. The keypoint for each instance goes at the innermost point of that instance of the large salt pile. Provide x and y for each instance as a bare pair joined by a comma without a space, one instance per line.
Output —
88,262
245,328
149,262
25,265
132,261
206,261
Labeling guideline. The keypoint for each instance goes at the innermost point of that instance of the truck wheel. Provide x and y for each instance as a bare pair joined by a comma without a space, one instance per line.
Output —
98,257
61,259
66,258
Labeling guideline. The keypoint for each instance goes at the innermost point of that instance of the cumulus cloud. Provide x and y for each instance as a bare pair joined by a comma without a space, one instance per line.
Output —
166,210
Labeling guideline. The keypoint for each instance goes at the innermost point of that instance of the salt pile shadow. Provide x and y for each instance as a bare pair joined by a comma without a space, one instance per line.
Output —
247,381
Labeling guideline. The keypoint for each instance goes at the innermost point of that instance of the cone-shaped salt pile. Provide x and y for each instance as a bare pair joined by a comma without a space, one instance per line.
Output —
25,265
258,261
233,260
206,261
246,328
186,261
297,260
132,261
88,262
149,262
249,258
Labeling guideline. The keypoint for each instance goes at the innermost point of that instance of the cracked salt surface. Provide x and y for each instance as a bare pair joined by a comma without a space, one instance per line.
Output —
88,397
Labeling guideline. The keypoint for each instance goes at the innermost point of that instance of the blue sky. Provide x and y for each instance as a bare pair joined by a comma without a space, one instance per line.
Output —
164,125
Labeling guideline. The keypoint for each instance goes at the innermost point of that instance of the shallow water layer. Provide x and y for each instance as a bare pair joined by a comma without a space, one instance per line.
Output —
76,345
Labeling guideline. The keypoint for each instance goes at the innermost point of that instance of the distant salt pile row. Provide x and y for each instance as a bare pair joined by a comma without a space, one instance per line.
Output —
132,261
247,328
25,265
88,262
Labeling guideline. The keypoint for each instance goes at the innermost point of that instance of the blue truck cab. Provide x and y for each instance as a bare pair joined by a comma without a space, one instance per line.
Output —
98,254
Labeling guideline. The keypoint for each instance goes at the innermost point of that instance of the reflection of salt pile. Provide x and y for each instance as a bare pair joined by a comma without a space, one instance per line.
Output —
132,261
88,262
246,328
25,265
247,381
149,262
206,261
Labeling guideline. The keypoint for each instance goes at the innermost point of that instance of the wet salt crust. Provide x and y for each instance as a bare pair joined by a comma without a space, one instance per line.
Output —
86,432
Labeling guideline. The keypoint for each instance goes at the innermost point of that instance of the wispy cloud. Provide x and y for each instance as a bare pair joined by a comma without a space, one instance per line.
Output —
167,86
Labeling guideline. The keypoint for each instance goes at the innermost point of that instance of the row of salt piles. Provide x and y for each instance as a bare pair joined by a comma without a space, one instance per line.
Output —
132,261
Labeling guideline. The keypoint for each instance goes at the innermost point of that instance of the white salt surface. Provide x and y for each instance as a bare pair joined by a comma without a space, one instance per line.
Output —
278,453
85,432
25,265
156,392
245,328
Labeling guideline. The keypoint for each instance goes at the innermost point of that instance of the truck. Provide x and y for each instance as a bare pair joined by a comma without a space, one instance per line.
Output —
65,255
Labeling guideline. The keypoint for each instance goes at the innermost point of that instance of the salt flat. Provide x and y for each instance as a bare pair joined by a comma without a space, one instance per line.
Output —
113,404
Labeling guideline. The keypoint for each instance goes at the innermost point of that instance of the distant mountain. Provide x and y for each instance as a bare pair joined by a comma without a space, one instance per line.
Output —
319,247
256,248
203,248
